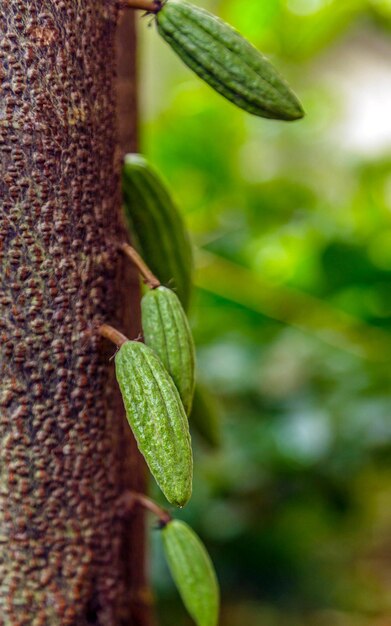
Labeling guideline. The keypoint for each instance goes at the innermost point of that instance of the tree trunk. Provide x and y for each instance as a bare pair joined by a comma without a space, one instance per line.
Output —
65,553
138,600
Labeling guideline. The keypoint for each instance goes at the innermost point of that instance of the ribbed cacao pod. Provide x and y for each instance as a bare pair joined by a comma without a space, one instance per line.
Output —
226,61
167,331
192,571
157,418
205,417
156,226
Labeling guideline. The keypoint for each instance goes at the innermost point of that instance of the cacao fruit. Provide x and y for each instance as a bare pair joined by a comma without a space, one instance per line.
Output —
226,61
167,331
205,417
157,418
192,571
156,226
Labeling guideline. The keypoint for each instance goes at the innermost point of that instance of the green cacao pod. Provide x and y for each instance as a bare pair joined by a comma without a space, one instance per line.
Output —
226,61
167,331
156,226
192,571
205,416
157,418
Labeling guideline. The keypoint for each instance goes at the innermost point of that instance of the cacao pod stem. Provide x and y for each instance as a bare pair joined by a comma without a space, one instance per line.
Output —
112,334
130,499
133,255
151,6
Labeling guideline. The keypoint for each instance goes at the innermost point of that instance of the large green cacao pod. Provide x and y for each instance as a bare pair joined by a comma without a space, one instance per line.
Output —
226,61
193,572
156,226
167,331
157,418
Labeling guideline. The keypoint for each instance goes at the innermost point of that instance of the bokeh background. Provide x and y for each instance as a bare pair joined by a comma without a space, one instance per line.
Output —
291,313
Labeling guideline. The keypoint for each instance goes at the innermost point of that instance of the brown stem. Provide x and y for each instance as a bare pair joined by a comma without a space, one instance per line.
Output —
142,267
130,499
151,6
112,335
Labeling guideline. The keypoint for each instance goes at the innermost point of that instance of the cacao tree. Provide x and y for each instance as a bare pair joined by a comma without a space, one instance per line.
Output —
68,556
70,472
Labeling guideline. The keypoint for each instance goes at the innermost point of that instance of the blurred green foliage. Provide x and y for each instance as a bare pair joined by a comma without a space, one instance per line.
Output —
291,315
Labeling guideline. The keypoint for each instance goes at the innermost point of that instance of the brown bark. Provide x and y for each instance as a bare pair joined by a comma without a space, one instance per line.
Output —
138,600
64,553
127,83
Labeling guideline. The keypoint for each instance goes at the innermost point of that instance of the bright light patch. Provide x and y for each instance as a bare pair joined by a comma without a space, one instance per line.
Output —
363,77
306,7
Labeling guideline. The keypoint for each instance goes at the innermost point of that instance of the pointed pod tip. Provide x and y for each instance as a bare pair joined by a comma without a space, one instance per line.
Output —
292,109
180,502
300,113
181,497
292,114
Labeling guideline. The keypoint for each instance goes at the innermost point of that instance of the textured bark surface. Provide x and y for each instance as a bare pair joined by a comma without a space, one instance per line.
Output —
61,439
127,82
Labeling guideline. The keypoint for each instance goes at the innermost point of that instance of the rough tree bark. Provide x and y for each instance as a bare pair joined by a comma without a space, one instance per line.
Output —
66,557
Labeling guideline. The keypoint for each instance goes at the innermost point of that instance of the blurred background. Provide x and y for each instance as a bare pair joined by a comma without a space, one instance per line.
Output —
291,313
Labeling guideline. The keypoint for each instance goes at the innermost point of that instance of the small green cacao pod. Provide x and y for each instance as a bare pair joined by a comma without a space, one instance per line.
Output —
156,226
226,61
205,416
167,331
192,571
157,418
